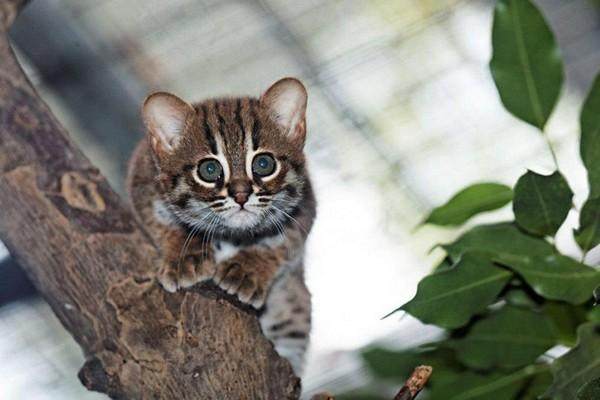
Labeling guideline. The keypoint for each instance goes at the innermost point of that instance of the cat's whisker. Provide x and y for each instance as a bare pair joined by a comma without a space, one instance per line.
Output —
276,223
209,216
204,234
185,246
195,229
275,200
211,235
214,231
204,208
207,234
291,218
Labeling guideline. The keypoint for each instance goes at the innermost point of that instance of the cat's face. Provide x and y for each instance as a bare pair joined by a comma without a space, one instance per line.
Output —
231,166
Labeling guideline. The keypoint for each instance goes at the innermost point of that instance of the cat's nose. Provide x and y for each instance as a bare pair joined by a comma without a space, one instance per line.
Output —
240,191
241,198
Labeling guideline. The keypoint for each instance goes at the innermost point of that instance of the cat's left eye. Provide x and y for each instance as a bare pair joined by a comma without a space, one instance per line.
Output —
263,165
210,170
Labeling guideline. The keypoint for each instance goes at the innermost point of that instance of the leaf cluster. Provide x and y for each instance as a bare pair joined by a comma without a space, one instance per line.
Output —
504,293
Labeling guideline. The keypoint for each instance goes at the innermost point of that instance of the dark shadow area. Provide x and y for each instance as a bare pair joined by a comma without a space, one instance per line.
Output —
14,284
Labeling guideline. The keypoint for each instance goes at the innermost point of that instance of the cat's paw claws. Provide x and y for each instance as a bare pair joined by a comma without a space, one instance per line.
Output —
258,302
231,280
236,280
174,275
185,283
167,280
258,298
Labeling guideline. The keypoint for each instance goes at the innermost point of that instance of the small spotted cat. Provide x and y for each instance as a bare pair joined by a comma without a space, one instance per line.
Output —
223,188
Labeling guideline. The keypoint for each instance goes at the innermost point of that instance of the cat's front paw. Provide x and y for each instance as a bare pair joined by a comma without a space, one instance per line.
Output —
174,275
168,277
245,283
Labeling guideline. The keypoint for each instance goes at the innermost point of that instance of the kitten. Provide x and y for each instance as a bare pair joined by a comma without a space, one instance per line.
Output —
223,189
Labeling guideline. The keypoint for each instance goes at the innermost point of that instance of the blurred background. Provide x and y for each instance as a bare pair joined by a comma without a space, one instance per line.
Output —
402,113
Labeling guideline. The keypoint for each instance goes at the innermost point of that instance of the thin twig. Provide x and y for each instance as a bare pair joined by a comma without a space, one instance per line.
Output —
415,383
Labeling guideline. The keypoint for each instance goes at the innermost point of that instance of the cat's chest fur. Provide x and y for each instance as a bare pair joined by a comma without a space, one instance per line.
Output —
224,250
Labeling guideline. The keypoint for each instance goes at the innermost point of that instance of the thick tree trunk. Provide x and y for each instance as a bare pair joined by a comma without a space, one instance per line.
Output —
86,254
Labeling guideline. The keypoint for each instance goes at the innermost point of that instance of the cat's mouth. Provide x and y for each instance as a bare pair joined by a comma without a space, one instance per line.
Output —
242,217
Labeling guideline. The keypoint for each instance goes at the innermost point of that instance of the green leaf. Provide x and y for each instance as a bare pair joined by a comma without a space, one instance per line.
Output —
469,202
446,263
509,338
590,391
594,315
577,367
498,238
472,386
450,298
391,364
555,277
566,318
590,137
588,234
519,298
542,202
397,365
526,63
536,386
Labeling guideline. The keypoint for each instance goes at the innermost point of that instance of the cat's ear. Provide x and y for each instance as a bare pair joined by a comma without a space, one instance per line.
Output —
286,100
165,116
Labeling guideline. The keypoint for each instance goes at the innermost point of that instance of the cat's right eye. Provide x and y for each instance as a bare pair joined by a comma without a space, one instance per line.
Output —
210,170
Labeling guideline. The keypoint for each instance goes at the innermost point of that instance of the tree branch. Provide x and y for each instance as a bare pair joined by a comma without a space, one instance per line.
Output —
9,9
91,261
415,383
412,387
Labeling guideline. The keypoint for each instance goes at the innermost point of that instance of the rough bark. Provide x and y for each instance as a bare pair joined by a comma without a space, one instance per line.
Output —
91,261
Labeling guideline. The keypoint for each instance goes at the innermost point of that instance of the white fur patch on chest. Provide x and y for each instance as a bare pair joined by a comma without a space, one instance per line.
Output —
272,241
224,251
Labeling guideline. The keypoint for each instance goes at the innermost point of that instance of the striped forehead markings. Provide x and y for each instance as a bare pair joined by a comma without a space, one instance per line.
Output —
232,131
222,126
255,125
210,137
240,122
236,152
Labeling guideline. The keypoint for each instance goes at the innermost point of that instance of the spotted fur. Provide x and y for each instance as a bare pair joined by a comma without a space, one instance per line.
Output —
243,231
